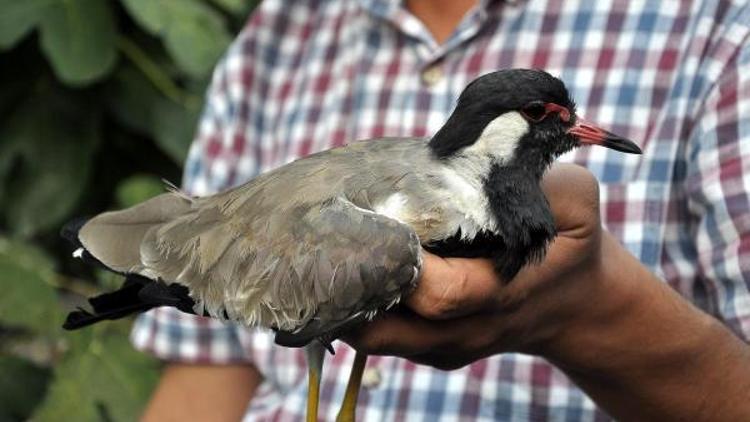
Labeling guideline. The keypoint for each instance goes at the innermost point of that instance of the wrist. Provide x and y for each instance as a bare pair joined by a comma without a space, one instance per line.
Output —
628,312
609,309
639,338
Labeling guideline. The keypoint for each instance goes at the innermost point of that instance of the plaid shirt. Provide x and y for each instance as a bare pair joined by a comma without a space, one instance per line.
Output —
310,75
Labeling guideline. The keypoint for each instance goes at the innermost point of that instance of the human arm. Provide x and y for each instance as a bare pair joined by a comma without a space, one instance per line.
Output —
202,392
635,346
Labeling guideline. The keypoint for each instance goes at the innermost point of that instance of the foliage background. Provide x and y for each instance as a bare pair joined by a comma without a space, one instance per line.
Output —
98,102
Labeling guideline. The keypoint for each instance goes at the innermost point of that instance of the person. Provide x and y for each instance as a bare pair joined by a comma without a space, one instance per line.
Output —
604,326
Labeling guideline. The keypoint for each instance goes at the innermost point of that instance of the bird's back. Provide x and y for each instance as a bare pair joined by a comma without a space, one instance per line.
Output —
295,243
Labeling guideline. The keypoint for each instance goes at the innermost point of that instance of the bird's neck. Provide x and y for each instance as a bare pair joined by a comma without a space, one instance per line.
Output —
531,158
472,135
531,166
458,132
539,148
524,219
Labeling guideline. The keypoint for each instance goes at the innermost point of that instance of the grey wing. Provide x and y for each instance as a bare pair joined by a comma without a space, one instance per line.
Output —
315,265
362,262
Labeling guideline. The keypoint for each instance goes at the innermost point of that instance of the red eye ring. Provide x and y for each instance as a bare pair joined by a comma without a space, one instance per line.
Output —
563,111
535,112
538,111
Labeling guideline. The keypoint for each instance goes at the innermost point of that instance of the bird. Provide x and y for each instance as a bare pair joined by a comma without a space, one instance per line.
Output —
316,247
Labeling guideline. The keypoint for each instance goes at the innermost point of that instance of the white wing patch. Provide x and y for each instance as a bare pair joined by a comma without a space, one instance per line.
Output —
471,212
394,206
465,173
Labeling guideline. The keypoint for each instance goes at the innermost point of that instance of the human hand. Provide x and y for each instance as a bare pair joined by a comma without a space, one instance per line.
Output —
461,311
627,339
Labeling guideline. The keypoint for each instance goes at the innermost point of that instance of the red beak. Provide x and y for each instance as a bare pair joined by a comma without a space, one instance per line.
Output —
587,133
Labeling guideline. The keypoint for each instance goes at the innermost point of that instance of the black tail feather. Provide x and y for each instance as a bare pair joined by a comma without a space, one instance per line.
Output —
137,294
83,318
175,295
128,293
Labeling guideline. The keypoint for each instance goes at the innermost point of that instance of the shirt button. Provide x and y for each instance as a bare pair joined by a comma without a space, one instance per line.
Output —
432,75
371,378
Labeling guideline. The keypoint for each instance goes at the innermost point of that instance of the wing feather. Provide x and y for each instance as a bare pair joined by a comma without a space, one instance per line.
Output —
286,250
331,261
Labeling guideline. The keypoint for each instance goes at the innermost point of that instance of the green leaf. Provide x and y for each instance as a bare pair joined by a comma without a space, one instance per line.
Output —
18,79
29,300
137,189
151,15
174,126
45,161
17,18
236,7
131,98
194,34
22,387
100,378
196,44
78,37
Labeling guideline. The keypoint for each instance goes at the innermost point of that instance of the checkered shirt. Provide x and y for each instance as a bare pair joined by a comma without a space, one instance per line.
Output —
305,75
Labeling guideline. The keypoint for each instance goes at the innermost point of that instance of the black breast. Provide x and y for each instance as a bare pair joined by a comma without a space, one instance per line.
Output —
483,245
524,230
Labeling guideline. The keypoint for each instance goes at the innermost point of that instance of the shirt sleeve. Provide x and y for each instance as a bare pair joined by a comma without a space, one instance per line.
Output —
718,191
216,161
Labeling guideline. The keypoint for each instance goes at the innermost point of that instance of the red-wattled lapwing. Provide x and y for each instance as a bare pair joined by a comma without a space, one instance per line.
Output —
322,244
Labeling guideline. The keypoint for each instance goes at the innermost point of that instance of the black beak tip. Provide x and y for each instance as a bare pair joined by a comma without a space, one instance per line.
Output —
592,134
621,144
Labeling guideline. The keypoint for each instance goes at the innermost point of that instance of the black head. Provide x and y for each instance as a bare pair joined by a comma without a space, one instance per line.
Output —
538,119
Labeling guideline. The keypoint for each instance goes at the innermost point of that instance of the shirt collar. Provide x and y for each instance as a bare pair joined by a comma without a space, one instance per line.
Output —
384,9
395,12
388,8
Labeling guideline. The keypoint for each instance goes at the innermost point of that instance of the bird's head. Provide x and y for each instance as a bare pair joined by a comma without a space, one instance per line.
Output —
521,116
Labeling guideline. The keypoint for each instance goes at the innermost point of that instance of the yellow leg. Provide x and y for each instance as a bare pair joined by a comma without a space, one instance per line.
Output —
315,353
349,407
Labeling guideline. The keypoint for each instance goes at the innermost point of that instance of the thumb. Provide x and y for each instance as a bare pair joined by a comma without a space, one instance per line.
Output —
451,287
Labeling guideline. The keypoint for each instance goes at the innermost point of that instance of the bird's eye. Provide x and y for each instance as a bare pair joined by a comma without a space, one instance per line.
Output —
534,112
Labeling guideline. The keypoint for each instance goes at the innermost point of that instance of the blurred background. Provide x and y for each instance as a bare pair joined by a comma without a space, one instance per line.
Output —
98,103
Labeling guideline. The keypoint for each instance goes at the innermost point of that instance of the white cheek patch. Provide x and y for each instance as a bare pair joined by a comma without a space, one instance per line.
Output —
500,137
466,171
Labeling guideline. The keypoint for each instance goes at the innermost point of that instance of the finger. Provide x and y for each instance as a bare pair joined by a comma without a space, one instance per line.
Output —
573,194
447,361
394,333
405,334
452,287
